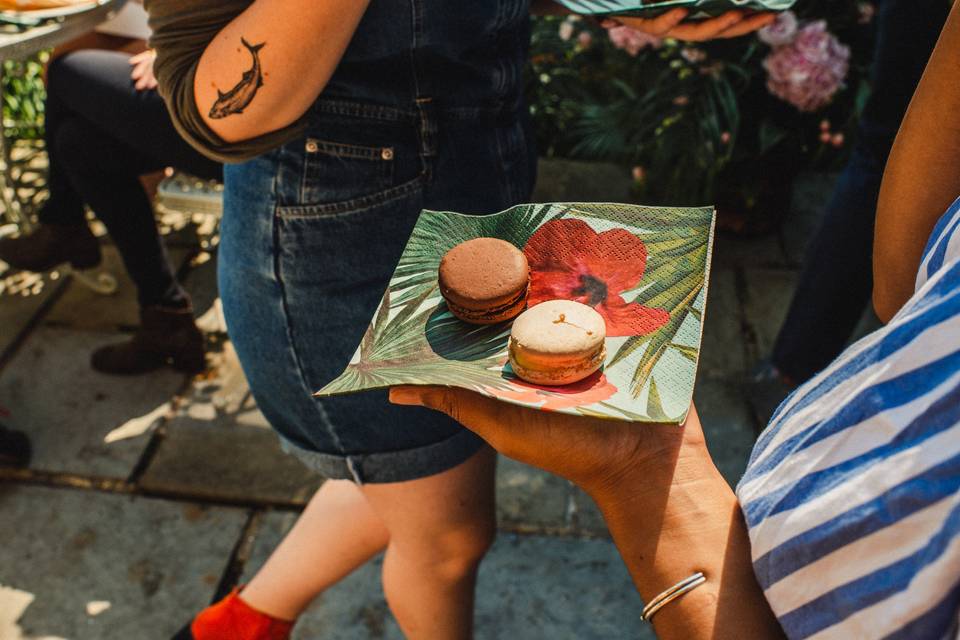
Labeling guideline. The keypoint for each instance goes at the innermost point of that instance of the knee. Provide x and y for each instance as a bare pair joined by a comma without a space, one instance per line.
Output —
477,540
63,73
457,554
75,146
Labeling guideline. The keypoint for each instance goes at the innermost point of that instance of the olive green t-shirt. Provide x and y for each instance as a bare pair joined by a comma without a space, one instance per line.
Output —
182,29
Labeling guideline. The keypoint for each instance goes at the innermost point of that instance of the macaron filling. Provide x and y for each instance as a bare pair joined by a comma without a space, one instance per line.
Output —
502,311
568,374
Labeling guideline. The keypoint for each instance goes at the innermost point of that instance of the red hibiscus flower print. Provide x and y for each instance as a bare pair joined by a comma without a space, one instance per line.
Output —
571,261
594,388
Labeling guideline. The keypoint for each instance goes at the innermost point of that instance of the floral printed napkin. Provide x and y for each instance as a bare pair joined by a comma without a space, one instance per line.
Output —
644,269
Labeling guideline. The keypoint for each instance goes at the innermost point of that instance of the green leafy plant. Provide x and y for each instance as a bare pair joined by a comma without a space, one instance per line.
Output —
23,98
696,123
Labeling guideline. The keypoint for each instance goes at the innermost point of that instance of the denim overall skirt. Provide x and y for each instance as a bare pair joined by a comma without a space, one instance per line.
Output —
424,112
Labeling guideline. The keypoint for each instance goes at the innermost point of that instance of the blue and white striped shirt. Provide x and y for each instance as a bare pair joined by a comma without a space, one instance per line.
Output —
852,494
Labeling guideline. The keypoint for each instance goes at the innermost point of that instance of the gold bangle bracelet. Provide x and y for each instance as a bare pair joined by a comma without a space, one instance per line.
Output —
671,594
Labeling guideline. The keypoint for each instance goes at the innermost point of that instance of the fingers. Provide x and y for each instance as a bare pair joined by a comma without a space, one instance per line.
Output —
661,26
731,24
748,25
142,74
701,30
484,416
470,409
145,84
408,395
140,57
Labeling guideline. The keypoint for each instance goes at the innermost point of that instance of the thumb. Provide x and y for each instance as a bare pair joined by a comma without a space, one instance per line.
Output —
443,399
408,395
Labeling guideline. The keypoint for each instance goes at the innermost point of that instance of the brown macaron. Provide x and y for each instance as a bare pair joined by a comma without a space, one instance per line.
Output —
484,280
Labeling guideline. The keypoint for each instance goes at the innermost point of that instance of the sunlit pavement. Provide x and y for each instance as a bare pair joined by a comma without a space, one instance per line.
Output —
150,496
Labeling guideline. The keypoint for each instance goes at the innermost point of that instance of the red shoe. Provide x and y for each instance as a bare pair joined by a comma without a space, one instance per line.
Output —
234,619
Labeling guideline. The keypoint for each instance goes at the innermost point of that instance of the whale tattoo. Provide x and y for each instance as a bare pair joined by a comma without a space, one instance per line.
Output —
236,100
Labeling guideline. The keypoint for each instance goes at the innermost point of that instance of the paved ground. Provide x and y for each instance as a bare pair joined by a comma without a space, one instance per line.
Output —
150,496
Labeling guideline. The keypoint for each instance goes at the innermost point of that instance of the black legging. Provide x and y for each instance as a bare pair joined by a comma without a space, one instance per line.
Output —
102,135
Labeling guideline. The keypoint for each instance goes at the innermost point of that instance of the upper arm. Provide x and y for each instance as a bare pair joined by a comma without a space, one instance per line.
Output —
239,75
261,72
922,176
180,35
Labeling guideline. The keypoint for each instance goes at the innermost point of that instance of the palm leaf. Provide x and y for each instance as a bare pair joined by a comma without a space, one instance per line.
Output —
655,404
655,344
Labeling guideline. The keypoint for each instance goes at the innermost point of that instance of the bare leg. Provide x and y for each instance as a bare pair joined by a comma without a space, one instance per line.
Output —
436,531
440,528
337,532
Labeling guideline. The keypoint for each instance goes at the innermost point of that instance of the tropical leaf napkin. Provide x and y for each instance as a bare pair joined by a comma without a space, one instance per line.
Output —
699,8
644,269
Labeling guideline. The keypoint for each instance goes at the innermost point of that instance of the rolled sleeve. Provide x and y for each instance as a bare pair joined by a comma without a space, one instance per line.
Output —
182,29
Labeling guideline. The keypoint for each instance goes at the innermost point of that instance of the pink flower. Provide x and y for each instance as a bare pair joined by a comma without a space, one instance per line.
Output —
837,140
631,40
825,137
725,137
824,125
810,70
639,174
585,39
566,30
681,100
781,31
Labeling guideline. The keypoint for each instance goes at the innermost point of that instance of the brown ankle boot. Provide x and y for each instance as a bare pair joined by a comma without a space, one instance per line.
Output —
51,245
165,336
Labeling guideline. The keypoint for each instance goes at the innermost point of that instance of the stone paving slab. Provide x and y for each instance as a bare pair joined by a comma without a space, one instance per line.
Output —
22,297
727,424
529,497
769,292
530,587
218,445
82,308
722,345
730,250
201,283
216,460
81,421
584,515
810,196
154,562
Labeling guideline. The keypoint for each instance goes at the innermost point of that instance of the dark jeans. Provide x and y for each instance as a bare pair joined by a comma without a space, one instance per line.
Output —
836,281
102,134
311,234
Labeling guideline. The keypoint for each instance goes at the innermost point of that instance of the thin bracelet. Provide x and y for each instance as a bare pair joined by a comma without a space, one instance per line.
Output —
671,594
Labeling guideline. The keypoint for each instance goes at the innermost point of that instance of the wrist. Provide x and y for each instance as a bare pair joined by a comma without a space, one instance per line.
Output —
665,456
673,518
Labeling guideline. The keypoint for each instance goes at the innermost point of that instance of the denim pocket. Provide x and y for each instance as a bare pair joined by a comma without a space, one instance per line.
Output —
337,174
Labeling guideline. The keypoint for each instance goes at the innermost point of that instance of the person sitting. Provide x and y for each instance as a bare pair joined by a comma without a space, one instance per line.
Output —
105,127
847,521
